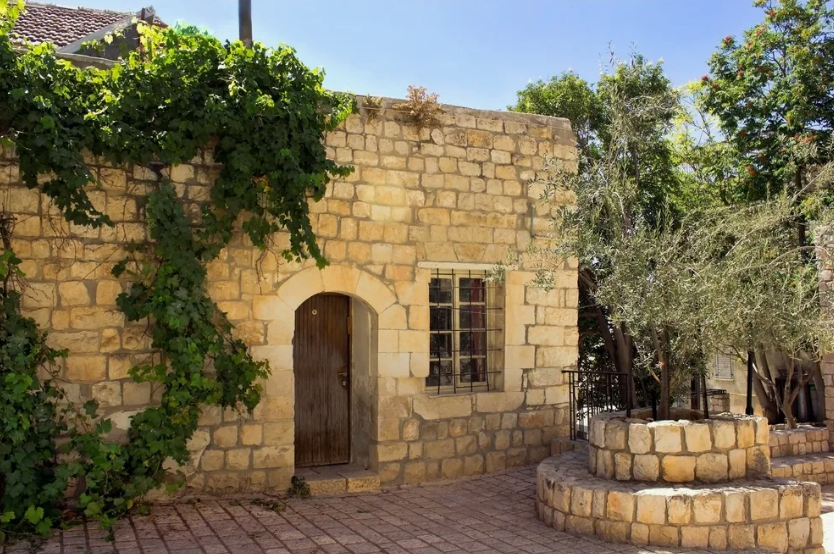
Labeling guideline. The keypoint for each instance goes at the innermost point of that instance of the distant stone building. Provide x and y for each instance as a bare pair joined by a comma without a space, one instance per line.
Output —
401,358
726,372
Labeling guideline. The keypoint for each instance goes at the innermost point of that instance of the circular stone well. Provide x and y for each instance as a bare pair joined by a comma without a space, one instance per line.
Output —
689,482
686,449
780,515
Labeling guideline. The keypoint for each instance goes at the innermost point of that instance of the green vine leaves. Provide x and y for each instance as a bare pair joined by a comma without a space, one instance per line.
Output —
31,481
265,115
175,94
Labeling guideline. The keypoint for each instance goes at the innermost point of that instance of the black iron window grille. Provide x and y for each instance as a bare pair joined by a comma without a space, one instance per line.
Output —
465,337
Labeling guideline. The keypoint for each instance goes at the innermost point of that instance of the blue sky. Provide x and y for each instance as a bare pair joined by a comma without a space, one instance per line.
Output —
475,53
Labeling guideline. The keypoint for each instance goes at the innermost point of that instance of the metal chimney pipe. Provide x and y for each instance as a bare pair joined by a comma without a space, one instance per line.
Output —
245,22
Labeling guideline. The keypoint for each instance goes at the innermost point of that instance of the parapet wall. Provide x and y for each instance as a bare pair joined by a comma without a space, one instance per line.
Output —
798,442
722,448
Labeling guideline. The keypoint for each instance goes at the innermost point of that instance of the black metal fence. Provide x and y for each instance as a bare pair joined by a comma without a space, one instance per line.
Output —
595,392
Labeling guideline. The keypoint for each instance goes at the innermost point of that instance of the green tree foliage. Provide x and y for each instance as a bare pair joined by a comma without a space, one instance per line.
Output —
264,116
705,161
640,107
625,173
683,216
771,91
770,94
566,96
757,294
589,109
720,278
615,219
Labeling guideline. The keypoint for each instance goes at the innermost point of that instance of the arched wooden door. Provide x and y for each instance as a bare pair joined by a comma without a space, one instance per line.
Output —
321,361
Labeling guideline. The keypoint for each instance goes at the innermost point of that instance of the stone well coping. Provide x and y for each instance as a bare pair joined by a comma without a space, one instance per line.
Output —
766,513
798,442
722,448
818,468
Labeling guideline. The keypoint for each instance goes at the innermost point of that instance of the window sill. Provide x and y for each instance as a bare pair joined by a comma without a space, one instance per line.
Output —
461,391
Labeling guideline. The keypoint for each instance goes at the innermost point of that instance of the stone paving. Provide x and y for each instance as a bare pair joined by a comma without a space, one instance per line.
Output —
487,515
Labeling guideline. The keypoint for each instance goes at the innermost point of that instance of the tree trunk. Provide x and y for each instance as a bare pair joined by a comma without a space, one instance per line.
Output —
624,361
663,411
695,394
789,395
790,420
801,221
769,408
244,9
617,340
624,347
787,407
765,387
660,342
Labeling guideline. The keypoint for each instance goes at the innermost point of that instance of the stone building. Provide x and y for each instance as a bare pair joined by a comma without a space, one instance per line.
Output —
825,238
401,358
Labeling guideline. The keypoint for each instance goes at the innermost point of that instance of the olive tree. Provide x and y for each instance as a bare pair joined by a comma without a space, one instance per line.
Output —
614,226
684,283
759,295
620,123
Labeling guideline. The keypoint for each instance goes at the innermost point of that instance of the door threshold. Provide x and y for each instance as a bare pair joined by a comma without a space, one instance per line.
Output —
339,479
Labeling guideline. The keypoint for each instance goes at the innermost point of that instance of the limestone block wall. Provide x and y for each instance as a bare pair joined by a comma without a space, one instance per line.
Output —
722,448
825,238
816,468
803,440
457,194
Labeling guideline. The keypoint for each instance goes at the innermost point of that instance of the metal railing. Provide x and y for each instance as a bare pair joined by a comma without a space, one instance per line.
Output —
591,393
594,392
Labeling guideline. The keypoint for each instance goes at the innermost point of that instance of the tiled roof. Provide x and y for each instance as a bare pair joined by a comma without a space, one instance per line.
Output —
62,25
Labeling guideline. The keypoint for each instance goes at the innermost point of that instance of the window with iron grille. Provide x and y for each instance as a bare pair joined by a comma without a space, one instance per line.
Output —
466,339
724,367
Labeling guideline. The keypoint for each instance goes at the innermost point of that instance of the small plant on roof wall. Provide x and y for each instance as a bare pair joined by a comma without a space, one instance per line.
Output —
421,107
372,106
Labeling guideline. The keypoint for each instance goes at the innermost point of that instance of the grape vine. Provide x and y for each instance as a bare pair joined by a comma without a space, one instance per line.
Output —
265,115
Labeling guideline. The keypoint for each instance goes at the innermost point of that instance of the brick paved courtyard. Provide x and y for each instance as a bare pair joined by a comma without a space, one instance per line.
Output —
491,514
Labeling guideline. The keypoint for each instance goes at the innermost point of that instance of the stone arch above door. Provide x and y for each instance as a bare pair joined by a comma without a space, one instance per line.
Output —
278,311
341,279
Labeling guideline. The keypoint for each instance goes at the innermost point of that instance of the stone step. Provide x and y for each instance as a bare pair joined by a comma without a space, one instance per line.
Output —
342,479
801,441
811,467
562,445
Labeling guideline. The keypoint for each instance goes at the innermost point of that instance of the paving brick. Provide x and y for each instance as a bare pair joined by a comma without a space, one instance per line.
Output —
489,514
